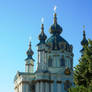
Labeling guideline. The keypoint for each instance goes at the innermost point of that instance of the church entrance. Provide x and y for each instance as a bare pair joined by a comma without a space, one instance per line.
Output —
32,88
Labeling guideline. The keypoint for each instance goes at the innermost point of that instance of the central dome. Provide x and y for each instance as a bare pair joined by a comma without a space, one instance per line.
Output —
56,42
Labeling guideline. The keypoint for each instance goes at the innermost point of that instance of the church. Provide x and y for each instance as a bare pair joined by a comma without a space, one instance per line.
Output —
54,71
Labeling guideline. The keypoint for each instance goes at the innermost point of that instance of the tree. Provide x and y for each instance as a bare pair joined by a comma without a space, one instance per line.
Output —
83,71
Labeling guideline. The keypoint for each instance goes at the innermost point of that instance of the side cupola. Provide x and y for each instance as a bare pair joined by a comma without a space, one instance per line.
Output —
29,65
42,37
29,52
84,42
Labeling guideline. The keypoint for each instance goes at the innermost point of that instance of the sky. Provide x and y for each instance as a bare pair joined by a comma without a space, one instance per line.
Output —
21,19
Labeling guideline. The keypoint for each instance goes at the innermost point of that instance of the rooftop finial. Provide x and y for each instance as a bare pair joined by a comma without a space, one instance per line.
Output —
29,44
84,41
42,27
42,20
30,38
55,8
84,31
42,36
55,17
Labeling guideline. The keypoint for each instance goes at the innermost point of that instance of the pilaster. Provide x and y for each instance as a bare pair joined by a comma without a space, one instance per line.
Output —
47,87
25,87
41,87
58,87
37,86
52,87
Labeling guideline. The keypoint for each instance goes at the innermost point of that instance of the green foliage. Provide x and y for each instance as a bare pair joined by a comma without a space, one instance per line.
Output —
83,71
80,89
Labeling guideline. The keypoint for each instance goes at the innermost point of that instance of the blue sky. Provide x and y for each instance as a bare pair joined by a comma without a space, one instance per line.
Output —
21,19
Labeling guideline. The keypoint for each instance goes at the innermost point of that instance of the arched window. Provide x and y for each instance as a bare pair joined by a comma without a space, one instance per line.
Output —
62,61
49,61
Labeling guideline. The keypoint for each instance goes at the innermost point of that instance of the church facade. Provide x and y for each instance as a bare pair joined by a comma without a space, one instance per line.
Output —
55,64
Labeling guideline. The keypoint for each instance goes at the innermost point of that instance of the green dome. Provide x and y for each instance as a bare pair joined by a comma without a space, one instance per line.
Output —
29,52
55,29
42,37
57,42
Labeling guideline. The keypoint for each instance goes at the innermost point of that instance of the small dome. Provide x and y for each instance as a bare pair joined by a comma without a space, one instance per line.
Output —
55,29
42,37
29,52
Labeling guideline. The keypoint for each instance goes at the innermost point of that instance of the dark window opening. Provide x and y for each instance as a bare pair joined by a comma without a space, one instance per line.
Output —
49,61
62,62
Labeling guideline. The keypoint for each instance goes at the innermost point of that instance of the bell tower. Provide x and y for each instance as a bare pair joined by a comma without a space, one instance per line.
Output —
42,50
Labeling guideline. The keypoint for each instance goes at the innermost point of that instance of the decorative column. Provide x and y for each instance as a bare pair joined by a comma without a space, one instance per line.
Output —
59,86
47,87
62,86
24,87
27,88
37,86
52,87
41,87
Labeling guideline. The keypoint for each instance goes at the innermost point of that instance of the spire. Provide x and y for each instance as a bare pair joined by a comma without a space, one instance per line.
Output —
84,41
42,29
29,52
42,36
55,28
29,44
55,16
42,26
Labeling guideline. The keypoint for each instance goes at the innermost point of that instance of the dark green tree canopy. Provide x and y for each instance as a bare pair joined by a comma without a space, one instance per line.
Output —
83,71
